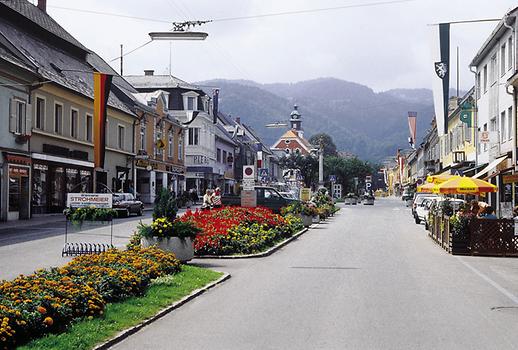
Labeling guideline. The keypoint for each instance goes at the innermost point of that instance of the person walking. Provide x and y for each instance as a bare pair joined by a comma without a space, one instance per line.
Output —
216,198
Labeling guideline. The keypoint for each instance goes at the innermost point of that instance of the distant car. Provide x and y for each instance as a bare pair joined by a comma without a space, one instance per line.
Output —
125,204
351,199
368,200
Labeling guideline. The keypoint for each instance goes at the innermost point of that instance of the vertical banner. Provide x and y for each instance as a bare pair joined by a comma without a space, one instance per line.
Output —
412,122
215,105
441,76
401,164
102,84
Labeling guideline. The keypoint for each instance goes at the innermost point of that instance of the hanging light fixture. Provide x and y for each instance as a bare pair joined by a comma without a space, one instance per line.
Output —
181,31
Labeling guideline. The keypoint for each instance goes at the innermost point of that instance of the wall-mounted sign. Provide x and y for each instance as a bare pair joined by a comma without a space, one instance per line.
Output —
82,200
488,137
18,171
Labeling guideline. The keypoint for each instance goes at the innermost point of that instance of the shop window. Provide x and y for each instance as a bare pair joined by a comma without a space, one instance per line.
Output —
17,121
39,188
89,127
73,123
39,122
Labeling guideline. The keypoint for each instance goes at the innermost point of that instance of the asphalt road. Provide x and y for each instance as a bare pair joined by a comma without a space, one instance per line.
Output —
367,279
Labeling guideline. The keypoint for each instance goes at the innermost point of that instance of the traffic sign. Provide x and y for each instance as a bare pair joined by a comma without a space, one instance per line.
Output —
248,172
263,172
332,178
300,178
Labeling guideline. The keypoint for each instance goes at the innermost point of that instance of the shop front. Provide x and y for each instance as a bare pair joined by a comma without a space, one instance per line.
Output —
153,176
200,179
53,177
16,187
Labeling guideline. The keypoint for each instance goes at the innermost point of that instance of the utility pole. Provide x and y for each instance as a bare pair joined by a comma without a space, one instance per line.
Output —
321,165
122,60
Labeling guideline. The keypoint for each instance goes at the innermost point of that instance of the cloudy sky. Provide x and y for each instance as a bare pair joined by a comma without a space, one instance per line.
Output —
384,47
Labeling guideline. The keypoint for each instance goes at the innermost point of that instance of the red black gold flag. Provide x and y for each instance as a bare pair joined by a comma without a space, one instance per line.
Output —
102,85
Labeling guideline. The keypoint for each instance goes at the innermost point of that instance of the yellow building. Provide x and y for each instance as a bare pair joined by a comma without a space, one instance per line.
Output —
458,147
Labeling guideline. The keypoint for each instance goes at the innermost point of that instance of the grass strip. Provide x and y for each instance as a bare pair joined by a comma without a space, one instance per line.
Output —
117,317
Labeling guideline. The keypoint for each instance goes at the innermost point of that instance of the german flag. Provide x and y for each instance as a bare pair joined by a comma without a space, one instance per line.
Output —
102,84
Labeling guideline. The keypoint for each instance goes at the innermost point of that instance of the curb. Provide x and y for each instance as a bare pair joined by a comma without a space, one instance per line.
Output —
257,255
130,331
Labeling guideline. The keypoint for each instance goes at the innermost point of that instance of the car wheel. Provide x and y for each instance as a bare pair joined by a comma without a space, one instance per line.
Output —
127,213
426,226
140,211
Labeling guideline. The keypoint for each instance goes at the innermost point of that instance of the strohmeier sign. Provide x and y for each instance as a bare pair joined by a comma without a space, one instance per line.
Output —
96,200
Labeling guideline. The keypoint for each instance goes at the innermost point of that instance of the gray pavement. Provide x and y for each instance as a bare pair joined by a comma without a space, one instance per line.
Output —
367,279
38,243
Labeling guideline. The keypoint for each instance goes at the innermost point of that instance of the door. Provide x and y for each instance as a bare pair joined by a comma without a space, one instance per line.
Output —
25,212
56,189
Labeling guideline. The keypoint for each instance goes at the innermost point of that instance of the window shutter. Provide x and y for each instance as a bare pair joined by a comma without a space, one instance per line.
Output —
12,115
27,121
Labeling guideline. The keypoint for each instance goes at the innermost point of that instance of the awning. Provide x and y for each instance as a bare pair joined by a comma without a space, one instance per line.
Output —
489,167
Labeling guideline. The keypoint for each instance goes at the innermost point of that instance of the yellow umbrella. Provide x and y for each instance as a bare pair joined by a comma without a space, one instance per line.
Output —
439,179
466,185
427,188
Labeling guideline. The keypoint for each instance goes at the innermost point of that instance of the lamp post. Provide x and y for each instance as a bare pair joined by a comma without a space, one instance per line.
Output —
321,165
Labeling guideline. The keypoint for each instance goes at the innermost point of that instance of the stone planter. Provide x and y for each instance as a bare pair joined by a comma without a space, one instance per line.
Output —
306,220
316,219
183,248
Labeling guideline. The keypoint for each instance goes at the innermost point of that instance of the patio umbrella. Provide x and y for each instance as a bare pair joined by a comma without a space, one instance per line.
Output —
439,179
427,188
466,185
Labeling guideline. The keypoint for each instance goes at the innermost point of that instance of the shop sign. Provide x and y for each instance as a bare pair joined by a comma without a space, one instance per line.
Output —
95,200
248,198
145,164
18,171
508,179
11,158
488,137
305,194
200,160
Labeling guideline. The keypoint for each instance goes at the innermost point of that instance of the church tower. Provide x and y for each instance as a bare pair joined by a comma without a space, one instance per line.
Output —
296,121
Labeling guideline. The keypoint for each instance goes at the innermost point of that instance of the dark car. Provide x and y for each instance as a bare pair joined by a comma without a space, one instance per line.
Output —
125,204
266,197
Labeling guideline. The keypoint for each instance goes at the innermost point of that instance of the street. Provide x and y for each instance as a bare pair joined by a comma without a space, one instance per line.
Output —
369,278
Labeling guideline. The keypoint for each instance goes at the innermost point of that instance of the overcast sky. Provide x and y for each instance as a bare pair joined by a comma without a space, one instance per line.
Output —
384,47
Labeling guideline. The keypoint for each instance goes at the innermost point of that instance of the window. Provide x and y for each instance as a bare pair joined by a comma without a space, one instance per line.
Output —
510,49
18,116
485,78
180,148
58,118
143,136
510,123
194,136
40,114
73,123
478,85
89,127
170,145
224,157
485,144
160,145
120,137
503,124
190,103
503,67
218,155
492,72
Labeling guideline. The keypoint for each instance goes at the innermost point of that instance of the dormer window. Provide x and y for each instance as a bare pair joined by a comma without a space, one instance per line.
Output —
190,101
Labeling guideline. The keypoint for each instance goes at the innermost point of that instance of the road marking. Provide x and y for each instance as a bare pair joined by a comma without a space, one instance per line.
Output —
498,287
398,209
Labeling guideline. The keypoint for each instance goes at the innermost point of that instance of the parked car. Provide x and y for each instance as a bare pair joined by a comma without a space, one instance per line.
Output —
418,199
125,204
368,200
267,197
351,199
407,195
288,195
422,208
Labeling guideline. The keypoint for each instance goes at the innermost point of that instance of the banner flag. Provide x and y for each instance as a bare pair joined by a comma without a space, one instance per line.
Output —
412,122
441,75
102,85
215,105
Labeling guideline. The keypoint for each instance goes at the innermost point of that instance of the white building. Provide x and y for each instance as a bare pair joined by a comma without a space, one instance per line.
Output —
495,64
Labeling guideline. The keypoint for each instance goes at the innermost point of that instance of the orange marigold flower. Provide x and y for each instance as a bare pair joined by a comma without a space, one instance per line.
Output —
48,321
42,310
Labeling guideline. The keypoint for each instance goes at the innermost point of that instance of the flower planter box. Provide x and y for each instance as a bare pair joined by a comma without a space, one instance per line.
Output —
316,219
182,248
306,220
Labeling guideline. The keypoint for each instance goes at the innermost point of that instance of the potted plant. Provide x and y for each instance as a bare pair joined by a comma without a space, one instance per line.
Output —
307,213
176,237
77,216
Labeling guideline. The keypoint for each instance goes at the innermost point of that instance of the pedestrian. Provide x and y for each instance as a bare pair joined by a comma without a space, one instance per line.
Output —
194,195
489,213
207,200
216,198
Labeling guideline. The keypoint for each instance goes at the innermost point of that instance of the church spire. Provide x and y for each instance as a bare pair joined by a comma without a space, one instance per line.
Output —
296,121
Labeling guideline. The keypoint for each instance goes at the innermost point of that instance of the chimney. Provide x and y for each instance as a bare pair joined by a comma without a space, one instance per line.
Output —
147,71
42,5
238,120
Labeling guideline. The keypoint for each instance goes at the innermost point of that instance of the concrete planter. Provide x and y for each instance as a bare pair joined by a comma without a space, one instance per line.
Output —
306,220
183,248
316,219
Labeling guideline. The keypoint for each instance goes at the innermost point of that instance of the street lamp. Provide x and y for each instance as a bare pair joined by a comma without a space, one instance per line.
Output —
276,125
181,31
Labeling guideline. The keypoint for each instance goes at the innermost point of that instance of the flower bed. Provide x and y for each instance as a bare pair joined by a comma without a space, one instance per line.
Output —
237,230
49,300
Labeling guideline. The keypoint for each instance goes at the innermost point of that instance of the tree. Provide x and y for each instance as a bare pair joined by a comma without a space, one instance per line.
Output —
326,141
346,170
307,165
